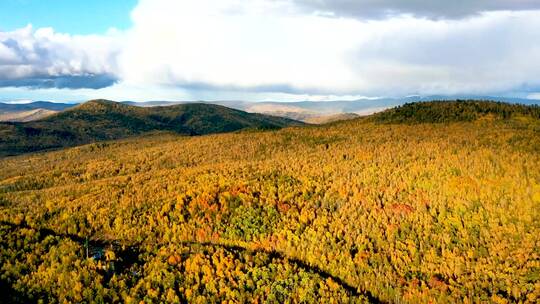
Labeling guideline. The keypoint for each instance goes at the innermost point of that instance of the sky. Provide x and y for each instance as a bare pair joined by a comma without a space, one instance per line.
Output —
255,50
67,16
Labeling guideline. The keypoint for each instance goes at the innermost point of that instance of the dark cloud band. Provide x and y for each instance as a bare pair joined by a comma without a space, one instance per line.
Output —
433,9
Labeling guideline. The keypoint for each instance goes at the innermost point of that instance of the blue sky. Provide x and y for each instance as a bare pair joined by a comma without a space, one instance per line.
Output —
281,50
67,16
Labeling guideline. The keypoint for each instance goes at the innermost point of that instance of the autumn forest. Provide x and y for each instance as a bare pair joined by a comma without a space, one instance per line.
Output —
435,202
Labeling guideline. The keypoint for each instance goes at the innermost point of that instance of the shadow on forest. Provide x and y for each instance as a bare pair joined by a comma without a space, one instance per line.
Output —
130,255
10,295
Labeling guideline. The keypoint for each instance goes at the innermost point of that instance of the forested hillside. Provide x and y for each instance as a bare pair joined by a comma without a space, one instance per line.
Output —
99,120
455,111
443,207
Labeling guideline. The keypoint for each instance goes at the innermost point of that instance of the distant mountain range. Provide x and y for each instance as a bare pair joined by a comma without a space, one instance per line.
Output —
99,120
310,111
307,111
47,105
24,112
25,116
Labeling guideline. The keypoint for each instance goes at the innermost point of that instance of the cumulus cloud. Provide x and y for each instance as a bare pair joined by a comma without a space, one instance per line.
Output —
432,9
235,45
44,59
237,49
276,46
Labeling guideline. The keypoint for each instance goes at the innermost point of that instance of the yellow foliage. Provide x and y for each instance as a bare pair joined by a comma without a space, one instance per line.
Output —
411,213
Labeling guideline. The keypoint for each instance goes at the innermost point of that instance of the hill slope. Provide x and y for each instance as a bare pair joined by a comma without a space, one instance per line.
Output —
351,212
106,120
307,110
324,119
26,116
455,111
25,112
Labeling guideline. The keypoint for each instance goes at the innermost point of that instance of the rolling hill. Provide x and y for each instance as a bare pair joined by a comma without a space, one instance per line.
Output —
46,105
444,111
306,111
25,116
435,202
25,112
313,111
99,120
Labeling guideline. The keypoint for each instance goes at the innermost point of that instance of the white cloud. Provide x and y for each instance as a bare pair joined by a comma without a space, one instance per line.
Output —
275,46
18,101
227,45
289,49
534,96
42,58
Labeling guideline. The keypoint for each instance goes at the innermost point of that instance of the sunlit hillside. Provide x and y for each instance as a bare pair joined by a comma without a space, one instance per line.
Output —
26,115
427,203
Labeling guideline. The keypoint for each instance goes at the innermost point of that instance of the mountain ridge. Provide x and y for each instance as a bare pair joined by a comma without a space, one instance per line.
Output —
447,111
296,110
26,116
98,120
47,105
